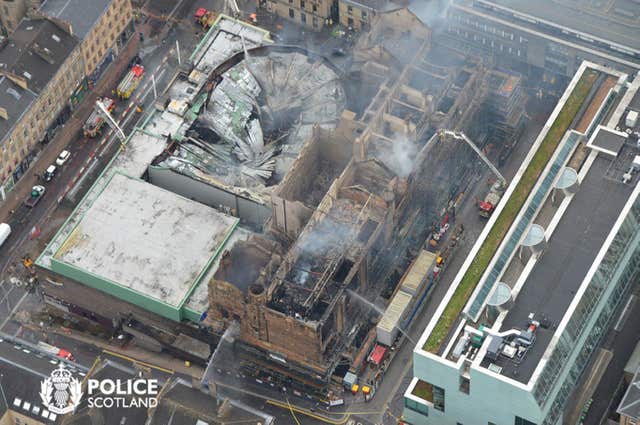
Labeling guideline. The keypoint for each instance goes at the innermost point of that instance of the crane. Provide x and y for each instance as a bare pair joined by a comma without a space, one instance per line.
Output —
458,135
232,6
100,108
490,202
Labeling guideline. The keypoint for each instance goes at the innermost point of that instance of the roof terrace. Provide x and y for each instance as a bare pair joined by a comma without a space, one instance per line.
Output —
563,202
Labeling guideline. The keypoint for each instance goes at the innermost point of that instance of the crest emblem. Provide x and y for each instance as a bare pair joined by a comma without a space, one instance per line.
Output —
61,392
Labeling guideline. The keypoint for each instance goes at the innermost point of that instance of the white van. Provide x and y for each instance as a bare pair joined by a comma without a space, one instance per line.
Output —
63,157
5,231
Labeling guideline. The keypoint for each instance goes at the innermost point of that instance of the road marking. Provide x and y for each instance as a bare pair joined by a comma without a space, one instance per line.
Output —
21,366
287,406
131,359
293,412
13,310
625,313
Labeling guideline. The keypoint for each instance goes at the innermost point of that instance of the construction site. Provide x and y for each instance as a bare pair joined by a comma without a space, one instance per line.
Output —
308,207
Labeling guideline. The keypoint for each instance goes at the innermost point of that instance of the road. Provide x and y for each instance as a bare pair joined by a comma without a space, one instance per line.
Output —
88,158
621,342
158,59
86,155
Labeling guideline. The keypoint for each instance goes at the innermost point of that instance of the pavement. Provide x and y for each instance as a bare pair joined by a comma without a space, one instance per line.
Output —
621,340
387,405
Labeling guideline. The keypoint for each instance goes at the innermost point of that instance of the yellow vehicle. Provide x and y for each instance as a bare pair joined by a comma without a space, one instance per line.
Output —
130,82
205,17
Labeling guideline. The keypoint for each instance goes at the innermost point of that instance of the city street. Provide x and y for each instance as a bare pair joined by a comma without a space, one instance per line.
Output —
88,157
167,35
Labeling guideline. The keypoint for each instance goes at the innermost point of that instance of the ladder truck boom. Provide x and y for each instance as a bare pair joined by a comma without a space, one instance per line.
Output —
461,136
493,197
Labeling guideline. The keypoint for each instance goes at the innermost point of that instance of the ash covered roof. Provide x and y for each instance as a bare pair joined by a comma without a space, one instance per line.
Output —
258,118
146,239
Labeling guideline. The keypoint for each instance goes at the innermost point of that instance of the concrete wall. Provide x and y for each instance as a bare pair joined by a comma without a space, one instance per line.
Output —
247,210
156,306
290,216
474,407
508,43
290,213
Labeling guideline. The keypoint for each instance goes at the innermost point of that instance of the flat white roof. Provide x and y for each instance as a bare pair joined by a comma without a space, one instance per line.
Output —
394,311
147,239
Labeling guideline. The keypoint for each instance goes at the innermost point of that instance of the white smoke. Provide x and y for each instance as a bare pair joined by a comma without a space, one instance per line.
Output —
399,156
431,12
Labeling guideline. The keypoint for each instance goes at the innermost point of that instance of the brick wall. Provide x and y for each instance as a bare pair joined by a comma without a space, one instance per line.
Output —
264,328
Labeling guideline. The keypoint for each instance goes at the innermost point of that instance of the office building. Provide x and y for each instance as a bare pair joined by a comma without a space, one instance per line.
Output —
357,14
47,66
553,36
540,287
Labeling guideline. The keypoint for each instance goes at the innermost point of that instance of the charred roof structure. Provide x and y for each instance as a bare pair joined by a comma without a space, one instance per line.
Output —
330,184
354,197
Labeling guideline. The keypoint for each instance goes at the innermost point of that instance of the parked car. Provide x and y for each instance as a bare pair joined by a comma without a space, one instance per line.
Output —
51,171
34,197
5,231
63,157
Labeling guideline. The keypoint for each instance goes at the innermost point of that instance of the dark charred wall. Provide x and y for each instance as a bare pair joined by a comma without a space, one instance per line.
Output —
318,165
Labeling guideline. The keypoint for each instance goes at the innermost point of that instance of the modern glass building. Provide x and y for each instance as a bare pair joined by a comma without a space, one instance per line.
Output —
518,325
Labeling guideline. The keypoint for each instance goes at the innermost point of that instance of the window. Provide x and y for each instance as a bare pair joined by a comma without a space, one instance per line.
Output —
315,22
465,383
292,14
302,4
315,8
350,9
303,18
364,14
438,398
520,421
350,22
416,407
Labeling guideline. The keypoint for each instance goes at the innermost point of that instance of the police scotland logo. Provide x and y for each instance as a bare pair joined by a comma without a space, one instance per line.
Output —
61,392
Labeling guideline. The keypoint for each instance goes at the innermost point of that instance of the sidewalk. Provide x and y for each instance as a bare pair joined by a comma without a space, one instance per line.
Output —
130,353
69,130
